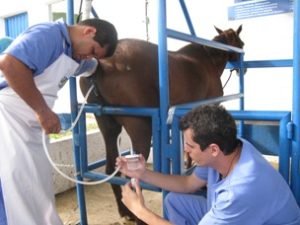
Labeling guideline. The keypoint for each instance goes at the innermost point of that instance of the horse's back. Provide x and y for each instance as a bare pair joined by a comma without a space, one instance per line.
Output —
129,77
133,71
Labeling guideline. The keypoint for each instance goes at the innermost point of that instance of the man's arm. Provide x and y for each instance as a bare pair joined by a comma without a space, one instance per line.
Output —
174,183
134,201
20,79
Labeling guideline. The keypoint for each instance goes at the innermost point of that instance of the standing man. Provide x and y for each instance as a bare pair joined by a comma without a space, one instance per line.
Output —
32,69
242,187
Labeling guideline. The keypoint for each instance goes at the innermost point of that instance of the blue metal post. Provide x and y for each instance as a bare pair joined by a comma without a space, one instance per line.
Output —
163,80
295,184
284,148
74,111
242,90
163,86
156,143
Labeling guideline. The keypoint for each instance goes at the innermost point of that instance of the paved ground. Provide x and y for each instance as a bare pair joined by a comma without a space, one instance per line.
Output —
101,206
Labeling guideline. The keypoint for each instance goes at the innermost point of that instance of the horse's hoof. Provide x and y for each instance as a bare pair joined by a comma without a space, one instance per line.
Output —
127,220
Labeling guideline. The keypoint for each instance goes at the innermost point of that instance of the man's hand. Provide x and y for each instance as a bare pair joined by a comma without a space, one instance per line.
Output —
20,79
134,201
49,121
137,173
132,197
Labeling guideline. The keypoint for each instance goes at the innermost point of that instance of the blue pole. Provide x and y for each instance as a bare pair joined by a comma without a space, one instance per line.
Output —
74,111
295,174
187,17
284,147
163,79
242,90
163,85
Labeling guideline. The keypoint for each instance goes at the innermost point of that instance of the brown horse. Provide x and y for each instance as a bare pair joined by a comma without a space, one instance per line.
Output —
130,78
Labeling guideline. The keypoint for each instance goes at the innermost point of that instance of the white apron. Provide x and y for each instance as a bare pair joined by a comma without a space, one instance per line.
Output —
25,173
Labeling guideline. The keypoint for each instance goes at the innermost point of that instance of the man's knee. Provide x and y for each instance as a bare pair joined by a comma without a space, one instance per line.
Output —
171,200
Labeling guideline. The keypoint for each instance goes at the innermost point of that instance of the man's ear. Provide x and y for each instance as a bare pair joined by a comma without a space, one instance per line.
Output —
214,149
89,31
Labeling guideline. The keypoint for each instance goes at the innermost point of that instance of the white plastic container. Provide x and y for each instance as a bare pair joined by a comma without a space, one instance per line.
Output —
133,161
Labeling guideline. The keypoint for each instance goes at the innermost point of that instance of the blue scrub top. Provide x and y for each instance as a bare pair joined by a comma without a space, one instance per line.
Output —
39,46
253,193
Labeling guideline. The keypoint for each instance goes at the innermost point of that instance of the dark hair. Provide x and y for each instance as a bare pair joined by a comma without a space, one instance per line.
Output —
106,34
211,124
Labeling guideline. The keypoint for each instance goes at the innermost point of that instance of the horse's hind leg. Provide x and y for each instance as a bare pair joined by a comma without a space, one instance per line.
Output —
110,130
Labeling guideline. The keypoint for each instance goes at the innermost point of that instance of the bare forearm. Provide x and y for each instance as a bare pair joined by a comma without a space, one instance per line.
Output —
27,90
151,218
174,183
20,79
134,201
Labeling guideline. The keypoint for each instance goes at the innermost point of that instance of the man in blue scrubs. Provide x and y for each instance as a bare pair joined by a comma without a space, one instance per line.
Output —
32,70
242,187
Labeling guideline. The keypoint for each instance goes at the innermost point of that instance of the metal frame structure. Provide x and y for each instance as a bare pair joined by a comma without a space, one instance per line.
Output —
166,136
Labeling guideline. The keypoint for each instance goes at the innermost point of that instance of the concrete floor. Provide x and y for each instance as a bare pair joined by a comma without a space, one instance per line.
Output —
101,205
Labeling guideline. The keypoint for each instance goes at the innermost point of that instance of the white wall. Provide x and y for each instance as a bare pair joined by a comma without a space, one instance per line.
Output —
37,11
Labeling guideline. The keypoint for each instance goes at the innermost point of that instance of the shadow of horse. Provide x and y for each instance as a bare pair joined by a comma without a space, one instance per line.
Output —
130,78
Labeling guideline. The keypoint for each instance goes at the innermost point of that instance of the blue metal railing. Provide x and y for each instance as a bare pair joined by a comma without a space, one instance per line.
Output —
169,148
166,148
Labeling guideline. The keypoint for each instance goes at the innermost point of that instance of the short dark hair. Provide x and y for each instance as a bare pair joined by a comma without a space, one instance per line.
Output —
212,124
106,34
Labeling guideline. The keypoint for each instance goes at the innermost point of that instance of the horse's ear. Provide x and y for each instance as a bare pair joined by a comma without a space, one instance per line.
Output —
218,30
238,31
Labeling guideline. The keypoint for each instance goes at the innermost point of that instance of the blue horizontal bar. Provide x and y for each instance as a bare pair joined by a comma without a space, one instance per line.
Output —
248,115
262,63
92,108
130,111
214,44
186,107
259,115
140,111
268,63
118,180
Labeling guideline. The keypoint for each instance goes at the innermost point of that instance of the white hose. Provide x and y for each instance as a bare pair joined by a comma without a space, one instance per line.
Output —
71,128
70,178
82,107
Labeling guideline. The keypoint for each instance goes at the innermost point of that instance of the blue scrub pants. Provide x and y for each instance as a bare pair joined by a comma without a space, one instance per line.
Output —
184,209
2,208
